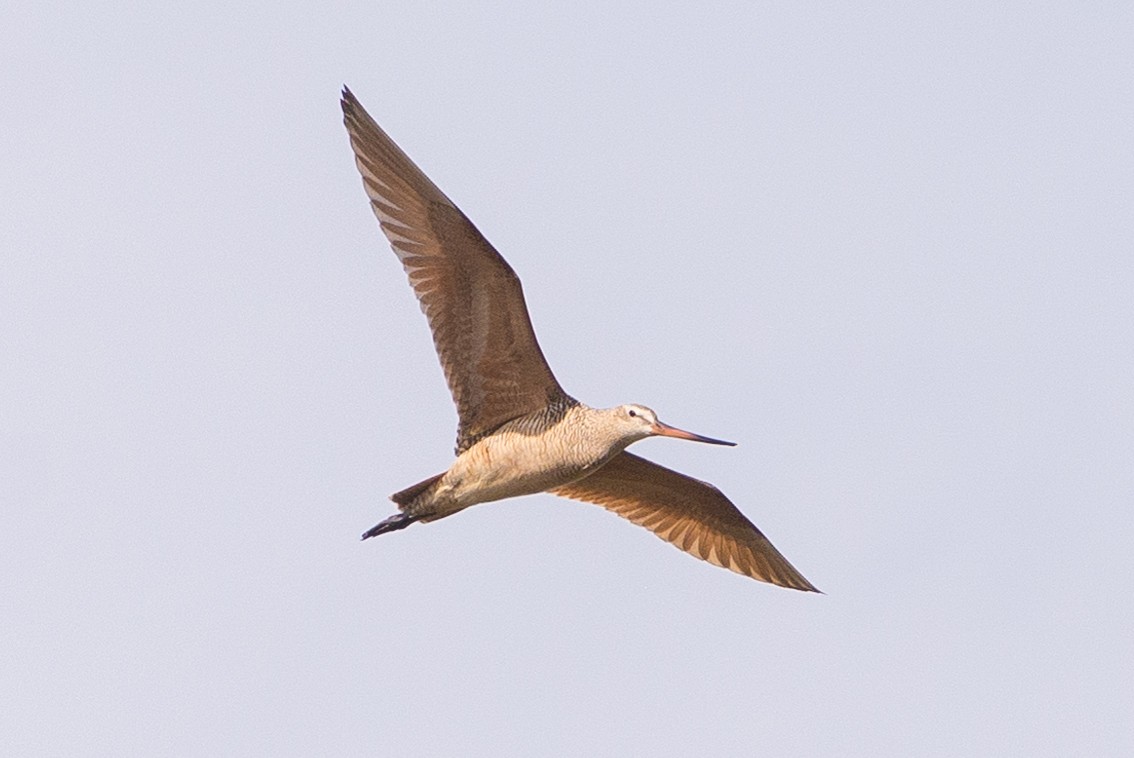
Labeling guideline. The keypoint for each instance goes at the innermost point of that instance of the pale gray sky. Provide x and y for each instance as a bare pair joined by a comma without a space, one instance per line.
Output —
885,247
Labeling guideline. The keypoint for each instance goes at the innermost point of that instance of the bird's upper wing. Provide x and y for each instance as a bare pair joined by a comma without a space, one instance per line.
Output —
468,292
691,514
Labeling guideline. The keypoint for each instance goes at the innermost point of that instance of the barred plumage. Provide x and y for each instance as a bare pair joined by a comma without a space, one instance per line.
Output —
519,432
529,423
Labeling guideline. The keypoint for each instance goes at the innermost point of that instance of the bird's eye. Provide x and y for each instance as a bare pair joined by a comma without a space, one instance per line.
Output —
633,413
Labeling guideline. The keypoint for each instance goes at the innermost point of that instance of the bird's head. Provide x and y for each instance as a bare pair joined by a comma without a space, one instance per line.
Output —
636,422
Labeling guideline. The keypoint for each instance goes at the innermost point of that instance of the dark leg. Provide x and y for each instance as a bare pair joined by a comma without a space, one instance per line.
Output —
392,524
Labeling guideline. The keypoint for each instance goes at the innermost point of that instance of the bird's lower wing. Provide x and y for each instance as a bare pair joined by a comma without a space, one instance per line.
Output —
693,515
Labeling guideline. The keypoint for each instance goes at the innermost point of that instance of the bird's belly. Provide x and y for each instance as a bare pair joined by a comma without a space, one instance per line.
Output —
509,465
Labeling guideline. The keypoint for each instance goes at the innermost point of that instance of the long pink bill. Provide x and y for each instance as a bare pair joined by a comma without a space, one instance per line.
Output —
665,430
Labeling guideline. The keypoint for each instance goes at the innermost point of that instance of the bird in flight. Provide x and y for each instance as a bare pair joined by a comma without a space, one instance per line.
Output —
519,433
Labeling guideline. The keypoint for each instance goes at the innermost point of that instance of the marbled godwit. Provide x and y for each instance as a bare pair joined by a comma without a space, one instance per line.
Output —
519,433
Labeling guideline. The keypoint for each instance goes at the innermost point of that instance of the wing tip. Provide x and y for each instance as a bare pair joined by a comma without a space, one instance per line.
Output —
350,105
770,566
354,114
803,586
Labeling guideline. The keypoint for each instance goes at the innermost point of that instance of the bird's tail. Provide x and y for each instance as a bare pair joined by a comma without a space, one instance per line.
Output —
409,494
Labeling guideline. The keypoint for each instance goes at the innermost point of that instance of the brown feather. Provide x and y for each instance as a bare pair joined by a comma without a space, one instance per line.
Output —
470,295
693,515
